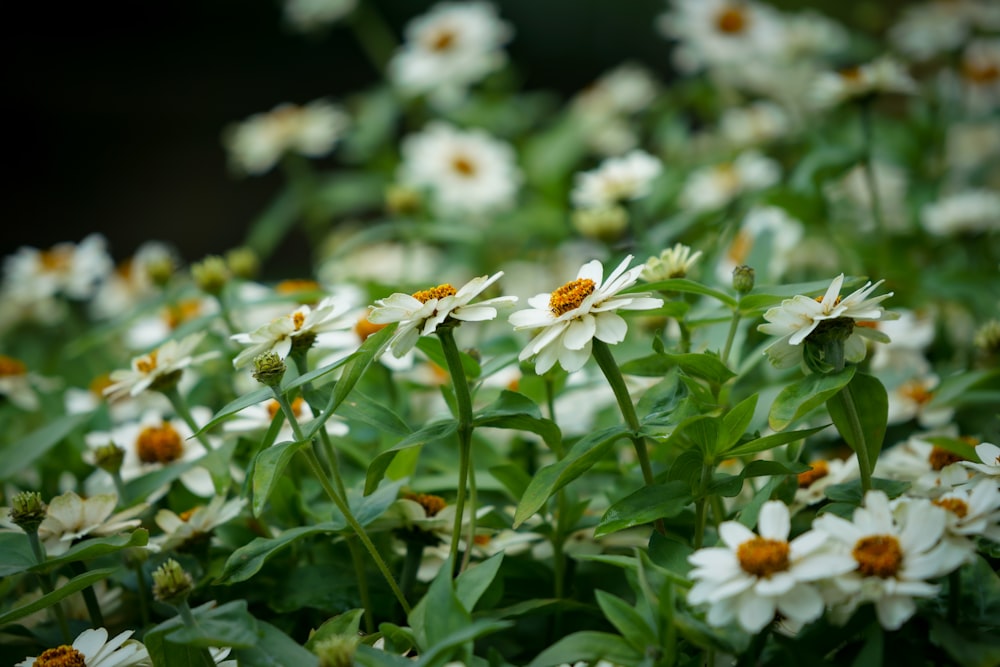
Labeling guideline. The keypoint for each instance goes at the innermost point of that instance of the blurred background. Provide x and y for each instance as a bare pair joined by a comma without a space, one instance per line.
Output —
116,109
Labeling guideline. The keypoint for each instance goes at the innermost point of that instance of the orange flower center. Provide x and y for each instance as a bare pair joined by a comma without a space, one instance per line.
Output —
442,40
916,391
181,312
432,504
956,506
439,292
980,73
186,515
364,328
61,656
732,20
940,457
99,384
481,540
298,319
762,557
10,366
851,74
464,166
817,470
146,364
570,295
878,556
159,444
56,259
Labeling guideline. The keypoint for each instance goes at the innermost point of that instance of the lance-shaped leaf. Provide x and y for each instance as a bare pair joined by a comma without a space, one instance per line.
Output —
771,441
95,547
250,558
800,398
430,433
731,485
860,412
267,470
645,506
75,584
516,411
700,365
686,286
17,456
588,645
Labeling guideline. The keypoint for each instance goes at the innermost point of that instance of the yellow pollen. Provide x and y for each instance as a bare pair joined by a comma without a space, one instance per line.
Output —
956,506
364,328
939,458
442,40
159,444
916,392
570,295
432,504
740,248
298,319
56,259
10,366
481,540
463,165
147,363
99,384
878,556
762,557
439,292
186,515
732,20
836,301
61,656
817,470
181,312
980,73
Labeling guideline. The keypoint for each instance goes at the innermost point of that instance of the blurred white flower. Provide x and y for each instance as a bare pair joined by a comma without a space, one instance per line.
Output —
712,187
912,399
972,145
19,385
605,109
616,180
989,460
281,335
882,76
971,211
70,517
310,15
161,367
674,262
930,469
130,283
782,235
257,143
909,337
195,524
980,74
755,124
928,29
973,511
466,172
822,474
446,50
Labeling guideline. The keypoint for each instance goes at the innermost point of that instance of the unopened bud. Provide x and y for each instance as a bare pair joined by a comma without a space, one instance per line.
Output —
160,269
402,200
243,262
211,274
109,457
171,584
269,368
743,278
336,651
603,224
28,510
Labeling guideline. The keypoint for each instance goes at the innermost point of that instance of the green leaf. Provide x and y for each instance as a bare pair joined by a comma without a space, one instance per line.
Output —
580,458
273,649
954,388
271,226
375,414
346,623
513,477
431,346
19,455
770,442
735,423
440,651
954,445
516,411
15,553
366,656
75,584
250,558
142,487
229,624
683,285
748,515
627,621
430,433
588,645
800,398
731,485
705,366
268,468
850,492
439,613
95,547
967,646
471,584
645,506
860,411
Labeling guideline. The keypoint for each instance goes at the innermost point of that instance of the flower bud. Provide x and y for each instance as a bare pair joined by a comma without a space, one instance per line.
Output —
336,651
211,274
171,584
603,224
402,200
743,278
28,510
160,269
269,368
243,262
109,458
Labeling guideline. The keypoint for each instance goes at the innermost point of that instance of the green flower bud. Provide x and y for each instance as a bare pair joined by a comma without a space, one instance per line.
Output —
603,224
269,368
336,651
109,457
28,510
243,262
171,584
743,278
160,270
402,200
211,274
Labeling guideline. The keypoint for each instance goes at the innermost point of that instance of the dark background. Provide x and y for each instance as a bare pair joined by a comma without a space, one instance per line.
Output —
115,109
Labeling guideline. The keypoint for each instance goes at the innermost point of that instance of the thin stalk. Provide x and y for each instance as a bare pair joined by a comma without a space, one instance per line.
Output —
411,565
142,591
868,137
701,505
473,502
463,397
181,408
185,613
731,336
89,597
357,560
373,34
340,502
846,401
45,579
560,529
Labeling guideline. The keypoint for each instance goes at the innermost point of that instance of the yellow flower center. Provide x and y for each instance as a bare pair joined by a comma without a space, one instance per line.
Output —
99,384
570,295
762,557
186,515
850,74
732,20
916,392
980,73
439,292
940,457
817,470
57,259
61,656
146,364
878,556
298,319
159,444
365,328
181,312
432,504
463,165
299,287
10,366
442,40
956,506
481,540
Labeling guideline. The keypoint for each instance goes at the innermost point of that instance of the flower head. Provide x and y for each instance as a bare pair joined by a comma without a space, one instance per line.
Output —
579,311
884,75
824,321
71,517
159,369
673,262
295,330
196,524
989,460
93,649
616,180
755,575
420,314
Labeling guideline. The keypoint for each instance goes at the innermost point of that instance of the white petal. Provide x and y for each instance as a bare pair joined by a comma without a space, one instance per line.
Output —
894,610
611,328
777,584
580,332
734,534
803,603
573,360
755,612
773,521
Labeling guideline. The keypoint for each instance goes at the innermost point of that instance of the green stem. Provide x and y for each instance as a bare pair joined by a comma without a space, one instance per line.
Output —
142,590
340,502
357,560
45,579
463,397
181,408
225,314
560,530
373,34
846,401
868,135
411,565
89,597
733,327
470,543
701,505
954,596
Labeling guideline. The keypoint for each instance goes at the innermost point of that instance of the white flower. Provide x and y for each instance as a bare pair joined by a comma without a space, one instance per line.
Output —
603,109
851,196
451,47
894,555
419,314
930,28
973,510
989,460
673,262
883,75
753,576
68,269
256,144
912,399
931,470
256,419
972,145
195,524
712,187
466,172
910,335
130,283
579,311
158,368
93,649
797,318
18,384
310,15
281,334
980,74
616,180
970,211
822,474
769,240
70,517
755,124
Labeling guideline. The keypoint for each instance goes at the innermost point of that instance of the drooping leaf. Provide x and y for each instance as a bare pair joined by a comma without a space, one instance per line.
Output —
860,411
250,558
19,455
95,547
75,584
771,441
731,485
629,622
268,468
516,411
274,649
801,397
345,623
645,506
431,433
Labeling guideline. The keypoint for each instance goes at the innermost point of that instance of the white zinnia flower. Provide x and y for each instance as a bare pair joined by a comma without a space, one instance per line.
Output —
989,460
883,75
797,318
70,517
158,368
256,144
822,474
419,314
281,334
973,510
73,270
579,311
616,180
980,74
912,399
309,15
93,649
970,211
755,124
894,555
17,383
930,469
673,262
753,576
466,172
195,524
451,47
714,186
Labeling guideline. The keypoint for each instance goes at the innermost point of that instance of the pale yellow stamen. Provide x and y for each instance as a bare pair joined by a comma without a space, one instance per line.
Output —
732,20
159,444
570,295
762,557
956,506
298,319
61,656
878,556
432,504
10,366
439,292
817,470
147,363
442,40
